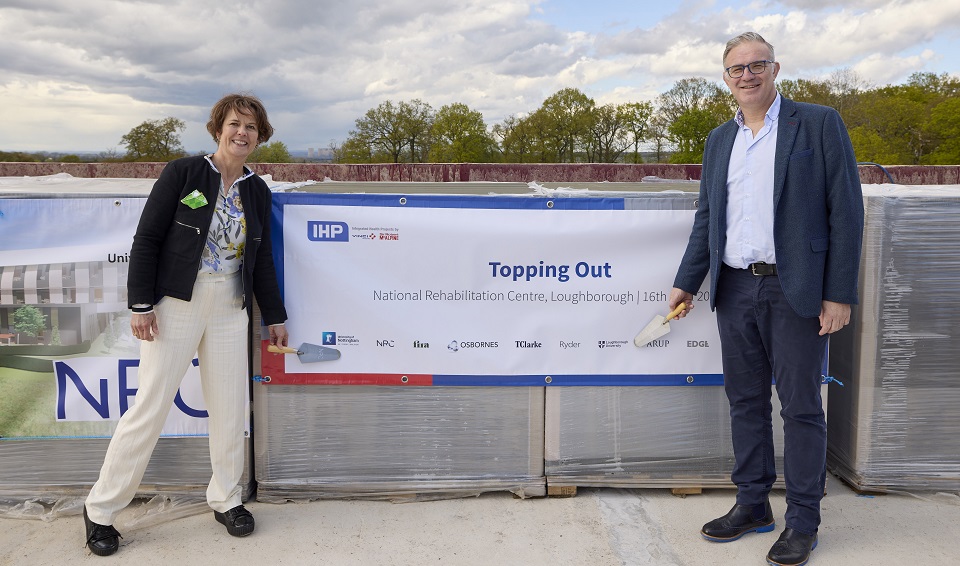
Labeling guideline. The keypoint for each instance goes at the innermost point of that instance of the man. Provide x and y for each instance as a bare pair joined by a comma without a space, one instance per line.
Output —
779,227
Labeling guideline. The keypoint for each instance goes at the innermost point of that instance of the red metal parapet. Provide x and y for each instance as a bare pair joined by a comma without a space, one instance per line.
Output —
464,172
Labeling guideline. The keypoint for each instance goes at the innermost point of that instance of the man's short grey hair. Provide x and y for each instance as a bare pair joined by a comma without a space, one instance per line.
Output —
744,38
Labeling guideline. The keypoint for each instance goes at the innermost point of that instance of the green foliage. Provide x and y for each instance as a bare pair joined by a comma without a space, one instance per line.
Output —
912,123
29,320
944,125
273,152
637,117
609,134
155,140
690,130
18,157
381,132
459,135
568,116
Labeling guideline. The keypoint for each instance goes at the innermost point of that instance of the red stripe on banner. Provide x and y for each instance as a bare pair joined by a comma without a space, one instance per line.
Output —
273,367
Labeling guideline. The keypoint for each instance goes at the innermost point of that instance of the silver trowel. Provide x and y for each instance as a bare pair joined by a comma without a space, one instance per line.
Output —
307,353
657,327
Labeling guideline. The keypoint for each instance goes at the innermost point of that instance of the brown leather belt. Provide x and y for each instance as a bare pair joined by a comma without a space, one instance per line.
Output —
762,269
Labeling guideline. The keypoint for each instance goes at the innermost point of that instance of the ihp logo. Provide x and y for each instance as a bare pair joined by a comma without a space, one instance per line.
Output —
326,231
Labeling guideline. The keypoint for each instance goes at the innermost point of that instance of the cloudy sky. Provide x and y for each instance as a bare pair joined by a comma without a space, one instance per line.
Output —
76,75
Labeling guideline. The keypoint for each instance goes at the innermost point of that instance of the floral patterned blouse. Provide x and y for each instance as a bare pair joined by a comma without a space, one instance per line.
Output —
227,236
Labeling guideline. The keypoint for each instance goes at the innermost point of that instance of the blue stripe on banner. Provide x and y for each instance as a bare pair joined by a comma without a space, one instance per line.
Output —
491,202
685,380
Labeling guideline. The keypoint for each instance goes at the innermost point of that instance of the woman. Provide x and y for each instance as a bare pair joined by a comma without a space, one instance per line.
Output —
201,253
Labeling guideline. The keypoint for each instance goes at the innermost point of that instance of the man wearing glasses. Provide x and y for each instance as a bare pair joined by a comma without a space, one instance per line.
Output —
779,226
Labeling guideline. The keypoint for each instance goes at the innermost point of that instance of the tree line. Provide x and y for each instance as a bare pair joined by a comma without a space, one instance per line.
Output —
916,123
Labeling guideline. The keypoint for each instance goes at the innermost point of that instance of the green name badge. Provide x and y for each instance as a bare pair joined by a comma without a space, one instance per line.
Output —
194,199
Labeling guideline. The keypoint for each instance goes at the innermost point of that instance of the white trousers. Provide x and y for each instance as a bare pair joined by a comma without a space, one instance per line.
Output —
213,325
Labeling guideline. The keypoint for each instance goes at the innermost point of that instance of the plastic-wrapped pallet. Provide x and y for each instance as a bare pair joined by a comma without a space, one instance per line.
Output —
644,436
392,442
894,425
55,459
314,441
47,469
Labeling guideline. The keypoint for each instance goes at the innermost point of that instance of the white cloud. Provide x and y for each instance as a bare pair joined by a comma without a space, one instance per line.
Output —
79,75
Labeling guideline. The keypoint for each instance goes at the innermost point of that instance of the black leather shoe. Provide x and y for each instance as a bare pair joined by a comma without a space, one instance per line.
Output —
742,519
793,548
103,540
239,521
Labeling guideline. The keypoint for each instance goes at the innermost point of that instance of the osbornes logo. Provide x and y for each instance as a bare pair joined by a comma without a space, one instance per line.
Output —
327,231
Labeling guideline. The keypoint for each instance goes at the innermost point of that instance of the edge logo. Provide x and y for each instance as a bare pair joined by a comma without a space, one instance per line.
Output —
327,231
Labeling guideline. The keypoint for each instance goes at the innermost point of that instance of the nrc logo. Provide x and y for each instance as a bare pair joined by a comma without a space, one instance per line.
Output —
325,231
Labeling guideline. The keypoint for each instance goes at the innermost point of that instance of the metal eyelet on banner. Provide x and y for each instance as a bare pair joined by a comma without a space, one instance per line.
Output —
403,200
548,379
404,379
689,379
117,203
549,204
261,379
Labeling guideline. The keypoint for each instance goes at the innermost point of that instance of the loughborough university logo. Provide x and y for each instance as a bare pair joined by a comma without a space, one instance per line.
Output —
327,231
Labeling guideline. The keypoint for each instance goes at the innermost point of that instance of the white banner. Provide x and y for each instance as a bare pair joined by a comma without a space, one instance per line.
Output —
65,261
483,291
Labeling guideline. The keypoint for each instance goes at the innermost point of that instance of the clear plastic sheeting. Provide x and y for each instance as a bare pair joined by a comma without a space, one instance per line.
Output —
894,425
142,513
397,443
48,469
643,437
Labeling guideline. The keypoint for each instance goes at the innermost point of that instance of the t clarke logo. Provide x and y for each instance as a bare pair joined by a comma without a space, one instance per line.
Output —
327,231
528,344
611,343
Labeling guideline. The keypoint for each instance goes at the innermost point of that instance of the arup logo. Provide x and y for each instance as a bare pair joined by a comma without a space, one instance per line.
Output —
324,231
329,338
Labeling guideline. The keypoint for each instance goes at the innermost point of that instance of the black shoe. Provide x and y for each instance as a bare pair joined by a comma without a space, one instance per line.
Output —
239,521
103,540
742,519
793,548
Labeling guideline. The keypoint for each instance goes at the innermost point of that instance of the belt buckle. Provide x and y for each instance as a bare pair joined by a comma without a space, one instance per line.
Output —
753,268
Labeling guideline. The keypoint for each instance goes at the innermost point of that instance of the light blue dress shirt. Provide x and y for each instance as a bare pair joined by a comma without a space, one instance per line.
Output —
750,193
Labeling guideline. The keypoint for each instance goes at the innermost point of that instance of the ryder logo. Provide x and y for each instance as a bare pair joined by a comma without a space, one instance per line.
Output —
326,231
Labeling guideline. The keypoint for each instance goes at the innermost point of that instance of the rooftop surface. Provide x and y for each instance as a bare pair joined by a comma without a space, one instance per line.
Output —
599,526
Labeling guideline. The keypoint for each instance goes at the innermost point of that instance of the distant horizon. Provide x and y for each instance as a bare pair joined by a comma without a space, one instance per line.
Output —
82,74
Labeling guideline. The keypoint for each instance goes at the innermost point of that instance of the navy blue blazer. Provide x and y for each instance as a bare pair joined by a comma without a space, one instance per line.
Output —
818,210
